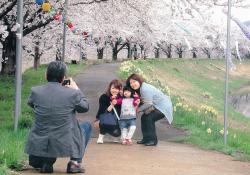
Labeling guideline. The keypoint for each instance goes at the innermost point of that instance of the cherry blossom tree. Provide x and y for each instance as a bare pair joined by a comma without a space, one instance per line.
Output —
33,19
139,26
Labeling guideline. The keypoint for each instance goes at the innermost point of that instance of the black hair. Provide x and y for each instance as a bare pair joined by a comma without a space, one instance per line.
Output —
127,88
137,78
56,71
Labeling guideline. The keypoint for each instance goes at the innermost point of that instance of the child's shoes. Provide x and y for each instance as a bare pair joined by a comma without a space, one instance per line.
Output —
129,142
124,142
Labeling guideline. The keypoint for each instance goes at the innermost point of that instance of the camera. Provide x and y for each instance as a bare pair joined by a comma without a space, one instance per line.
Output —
66,82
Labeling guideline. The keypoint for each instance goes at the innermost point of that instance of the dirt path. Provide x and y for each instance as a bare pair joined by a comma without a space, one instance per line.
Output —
167,158
94,81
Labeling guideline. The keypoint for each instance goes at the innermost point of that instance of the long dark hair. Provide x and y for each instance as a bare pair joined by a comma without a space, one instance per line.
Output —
116,83
137,78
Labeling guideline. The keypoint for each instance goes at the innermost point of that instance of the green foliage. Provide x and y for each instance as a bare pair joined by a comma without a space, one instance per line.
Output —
12,148
198,108
3,170
12,143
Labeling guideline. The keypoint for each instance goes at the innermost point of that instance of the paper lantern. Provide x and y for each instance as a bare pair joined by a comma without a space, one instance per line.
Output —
74,31
58,16
78,31
46,6
70,25
52,11
85,33
39,2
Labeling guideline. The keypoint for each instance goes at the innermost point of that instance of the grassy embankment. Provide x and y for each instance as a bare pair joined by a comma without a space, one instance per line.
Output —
12,143
197,91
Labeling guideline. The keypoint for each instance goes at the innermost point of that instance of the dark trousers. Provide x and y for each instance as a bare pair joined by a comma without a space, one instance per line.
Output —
114,131
38,161
148,125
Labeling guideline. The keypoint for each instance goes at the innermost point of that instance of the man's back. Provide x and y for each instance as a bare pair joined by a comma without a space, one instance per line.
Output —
55,131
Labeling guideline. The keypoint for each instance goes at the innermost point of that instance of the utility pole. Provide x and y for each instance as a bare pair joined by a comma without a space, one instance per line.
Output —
19,36
228,57
64,28
80,45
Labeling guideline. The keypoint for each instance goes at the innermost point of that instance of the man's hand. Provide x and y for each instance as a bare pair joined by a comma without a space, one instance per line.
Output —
72,85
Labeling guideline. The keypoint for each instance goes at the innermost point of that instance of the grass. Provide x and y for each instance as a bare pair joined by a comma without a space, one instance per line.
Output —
192,83
12,143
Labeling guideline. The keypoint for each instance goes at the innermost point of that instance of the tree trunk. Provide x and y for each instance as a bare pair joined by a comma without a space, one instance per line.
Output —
209,55
135,52
194,55
142,51
100,53
180,54
194,50
37,56
114,51
169,48
207,52
129,51
114,55
9,54
157,52
58,54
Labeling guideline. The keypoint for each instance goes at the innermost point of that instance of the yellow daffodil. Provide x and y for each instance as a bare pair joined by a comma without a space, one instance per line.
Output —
209,131
234,136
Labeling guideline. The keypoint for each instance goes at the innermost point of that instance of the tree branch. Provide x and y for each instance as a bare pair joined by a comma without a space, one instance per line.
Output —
8,9
124,44
26,31
89,2
31,16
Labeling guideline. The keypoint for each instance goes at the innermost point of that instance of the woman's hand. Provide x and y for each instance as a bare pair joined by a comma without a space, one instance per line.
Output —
96,124
110,107
113,97
114,102
137,102
136,95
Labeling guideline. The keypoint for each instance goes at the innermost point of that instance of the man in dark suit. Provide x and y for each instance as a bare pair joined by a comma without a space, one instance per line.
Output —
56,131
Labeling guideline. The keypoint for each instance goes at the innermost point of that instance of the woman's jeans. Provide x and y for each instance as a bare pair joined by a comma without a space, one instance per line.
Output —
148,125
37,161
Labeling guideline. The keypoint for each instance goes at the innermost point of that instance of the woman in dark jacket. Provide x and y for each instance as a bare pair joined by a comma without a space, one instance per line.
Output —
107,101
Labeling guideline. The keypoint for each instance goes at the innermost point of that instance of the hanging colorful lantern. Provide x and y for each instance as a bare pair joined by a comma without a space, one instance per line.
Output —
39,2
52,11
46,6
70,25
74,31
58,16
85,34
78,31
